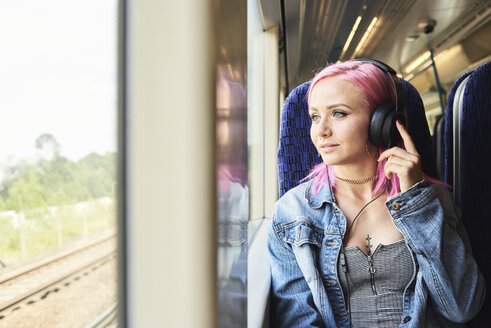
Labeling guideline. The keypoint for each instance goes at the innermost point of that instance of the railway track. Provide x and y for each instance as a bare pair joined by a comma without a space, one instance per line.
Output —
107,319
35,282
5,278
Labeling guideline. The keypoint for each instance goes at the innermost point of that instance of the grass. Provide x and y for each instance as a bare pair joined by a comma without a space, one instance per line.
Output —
44,230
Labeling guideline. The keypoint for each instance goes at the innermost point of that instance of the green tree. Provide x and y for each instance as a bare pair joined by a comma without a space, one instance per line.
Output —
59,178
26,192
98,173
48,145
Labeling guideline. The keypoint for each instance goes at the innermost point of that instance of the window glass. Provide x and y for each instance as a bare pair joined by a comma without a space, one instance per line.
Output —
232,165
58,77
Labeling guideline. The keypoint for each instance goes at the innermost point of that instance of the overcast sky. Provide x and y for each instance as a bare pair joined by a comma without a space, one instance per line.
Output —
58,76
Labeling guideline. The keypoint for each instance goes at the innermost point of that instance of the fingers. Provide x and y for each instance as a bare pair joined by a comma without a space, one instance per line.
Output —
408,175
406,163
406,138
399,166
398,152
408,144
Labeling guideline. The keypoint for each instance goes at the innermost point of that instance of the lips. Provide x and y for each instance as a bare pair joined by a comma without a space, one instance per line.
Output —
327,147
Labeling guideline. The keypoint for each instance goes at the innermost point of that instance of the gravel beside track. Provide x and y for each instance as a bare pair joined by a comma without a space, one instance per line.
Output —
71,303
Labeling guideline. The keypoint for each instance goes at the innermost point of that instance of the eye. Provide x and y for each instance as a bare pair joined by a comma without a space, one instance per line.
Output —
314,117
339,114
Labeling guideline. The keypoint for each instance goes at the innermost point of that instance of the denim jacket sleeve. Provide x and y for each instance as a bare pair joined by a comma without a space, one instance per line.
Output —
431,225
292,303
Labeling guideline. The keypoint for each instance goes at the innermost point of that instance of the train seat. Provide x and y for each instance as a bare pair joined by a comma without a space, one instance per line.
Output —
446,161
418,129
296,152
438,143
297,155
466,162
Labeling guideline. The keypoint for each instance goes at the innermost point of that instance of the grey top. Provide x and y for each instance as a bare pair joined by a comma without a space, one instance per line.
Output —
376,284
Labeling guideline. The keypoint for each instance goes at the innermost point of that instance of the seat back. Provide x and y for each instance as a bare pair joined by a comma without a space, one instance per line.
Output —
438,142
446,167
297,154
467,158
417,127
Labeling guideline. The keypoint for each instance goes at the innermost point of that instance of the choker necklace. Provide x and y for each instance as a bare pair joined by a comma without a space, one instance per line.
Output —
358,181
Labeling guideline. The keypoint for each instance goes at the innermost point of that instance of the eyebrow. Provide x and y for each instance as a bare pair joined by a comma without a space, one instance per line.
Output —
332,106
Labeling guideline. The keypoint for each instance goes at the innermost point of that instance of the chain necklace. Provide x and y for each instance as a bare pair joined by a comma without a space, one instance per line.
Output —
358,181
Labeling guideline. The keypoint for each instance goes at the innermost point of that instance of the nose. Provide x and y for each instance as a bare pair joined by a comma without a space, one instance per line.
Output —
324,130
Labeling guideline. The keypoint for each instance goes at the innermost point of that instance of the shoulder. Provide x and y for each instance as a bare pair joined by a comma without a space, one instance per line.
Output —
295,197
295,206
293,203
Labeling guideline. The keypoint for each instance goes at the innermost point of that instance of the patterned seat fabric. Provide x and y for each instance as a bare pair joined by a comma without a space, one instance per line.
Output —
296,153
475,172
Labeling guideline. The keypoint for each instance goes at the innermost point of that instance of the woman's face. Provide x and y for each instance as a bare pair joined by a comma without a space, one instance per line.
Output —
340,119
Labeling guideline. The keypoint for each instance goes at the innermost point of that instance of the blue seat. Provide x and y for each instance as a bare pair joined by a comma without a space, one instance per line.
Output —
446,167
297,154
418,129
471,187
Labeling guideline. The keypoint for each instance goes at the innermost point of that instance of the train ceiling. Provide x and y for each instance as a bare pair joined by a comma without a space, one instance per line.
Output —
315,32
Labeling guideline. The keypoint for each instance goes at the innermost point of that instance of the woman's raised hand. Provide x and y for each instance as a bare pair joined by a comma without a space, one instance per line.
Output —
405,163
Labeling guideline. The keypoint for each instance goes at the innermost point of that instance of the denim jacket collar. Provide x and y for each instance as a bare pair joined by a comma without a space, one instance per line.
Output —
325,195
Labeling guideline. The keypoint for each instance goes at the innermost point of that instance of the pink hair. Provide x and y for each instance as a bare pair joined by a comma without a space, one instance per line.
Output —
377,88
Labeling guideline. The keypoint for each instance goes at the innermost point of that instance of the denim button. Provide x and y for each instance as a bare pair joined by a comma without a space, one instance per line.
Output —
396,206
329,282
407,319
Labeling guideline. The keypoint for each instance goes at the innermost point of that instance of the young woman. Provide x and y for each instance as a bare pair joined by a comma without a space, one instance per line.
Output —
367,241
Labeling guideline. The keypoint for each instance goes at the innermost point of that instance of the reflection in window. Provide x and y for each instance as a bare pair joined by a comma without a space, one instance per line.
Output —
232,180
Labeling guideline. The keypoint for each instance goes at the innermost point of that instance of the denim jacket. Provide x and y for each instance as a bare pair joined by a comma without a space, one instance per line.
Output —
304,240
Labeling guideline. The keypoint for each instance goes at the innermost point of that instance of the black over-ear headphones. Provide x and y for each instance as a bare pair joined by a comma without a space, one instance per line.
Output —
382,131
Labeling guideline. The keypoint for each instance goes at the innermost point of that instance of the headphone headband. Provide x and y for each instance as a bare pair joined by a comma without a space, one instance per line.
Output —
395,81
382,131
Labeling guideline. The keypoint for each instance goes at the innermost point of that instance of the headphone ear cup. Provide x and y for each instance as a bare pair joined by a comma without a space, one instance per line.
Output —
382,124
395,136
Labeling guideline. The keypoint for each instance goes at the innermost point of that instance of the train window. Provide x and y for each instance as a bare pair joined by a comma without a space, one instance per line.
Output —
263,113
263,130
247,135
58,76
232,180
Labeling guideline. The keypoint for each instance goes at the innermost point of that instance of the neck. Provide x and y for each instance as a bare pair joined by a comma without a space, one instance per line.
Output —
362,192
357,172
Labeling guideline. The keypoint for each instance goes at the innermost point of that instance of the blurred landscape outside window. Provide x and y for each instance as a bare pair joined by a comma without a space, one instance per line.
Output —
58,160
58,123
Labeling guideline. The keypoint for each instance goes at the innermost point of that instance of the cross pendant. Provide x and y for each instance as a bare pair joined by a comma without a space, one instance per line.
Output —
369,246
